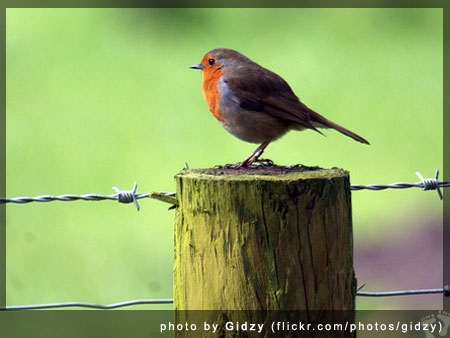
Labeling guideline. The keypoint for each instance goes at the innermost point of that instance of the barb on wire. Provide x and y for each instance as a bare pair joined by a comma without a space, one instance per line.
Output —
127,196
425,184
445,290
430,183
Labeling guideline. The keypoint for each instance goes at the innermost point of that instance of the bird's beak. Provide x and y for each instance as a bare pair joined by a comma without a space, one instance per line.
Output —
198,66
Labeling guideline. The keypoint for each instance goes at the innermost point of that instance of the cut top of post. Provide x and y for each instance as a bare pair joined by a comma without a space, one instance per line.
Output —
265,173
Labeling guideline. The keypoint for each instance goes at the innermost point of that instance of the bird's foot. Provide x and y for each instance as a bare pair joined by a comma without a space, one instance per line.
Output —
238,165
228,166
263,162
252,158
256,163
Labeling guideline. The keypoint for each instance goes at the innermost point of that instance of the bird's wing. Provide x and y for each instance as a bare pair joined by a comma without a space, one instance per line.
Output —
264,91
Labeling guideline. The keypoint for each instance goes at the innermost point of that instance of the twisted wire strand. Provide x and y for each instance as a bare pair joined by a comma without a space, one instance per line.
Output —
445,290
88,305
67,198
399,185
400,293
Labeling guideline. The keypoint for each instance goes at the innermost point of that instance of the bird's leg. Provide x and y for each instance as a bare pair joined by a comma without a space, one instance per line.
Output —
253,156
257,153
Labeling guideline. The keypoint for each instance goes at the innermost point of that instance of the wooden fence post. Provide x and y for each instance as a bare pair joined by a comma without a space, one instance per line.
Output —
275,240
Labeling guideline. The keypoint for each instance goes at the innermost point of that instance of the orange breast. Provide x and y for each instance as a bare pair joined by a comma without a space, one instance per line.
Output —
211,93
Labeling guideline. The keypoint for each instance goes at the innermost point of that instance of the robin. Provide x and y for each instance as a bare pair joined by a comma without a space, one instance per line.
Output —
255,104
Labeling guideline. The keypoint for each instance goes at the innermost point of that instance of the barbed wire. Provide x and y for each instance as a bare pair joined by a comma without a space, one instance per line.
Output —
123,196
445,291
425,184
128,196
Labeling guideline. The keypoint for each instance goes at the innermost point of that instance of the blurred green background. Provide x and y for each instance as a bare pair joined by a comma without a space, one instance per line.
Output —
103,97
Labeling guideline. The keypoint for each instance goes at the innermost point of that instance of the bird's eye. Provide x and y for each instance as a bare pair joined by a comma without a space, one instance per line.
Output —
211,61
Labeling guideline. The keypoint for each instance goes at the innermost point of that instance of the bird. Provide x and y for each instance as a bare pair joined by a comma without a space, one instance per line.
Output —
255,104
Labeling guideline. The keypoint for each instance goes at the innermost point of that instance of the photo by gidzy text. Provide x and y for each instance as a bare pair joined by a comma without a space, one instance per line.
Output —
255,104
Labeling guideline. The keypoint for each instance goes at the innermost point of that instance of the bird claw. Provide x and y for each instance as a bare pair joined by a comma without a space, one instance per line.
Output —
264,162
260,162
230,166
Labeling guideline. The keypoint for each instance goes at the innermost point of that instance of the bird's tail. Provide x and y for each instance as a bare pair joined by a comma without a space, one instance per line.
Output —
321,122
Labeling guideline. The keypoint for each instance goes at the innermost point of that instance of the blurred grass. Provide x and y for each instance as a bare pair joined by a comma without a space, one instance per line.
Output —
103,97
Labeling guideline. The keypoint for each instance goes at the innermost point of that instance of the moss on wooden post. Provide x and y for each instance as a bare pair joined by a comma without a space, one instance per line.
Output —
278,240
